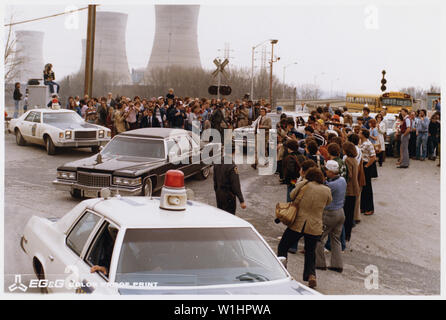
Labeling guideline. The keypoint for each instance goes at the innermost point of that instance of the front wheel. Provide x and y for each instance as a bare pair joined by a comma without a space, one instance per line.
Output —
95,149
50,147
19,138
148,188
204,173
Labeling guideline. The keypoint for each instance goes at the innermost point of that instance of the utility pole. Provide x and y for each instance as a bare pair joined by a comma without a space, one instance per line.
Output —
89,56
273,42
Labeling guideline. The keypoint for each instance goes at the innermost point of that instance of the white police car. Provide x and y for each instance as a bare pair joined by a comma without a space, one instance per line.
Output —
166,245
58,129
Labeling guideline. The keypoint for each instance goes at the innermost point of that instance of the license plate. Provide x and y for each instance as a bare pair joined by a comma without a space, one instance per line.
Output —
90,194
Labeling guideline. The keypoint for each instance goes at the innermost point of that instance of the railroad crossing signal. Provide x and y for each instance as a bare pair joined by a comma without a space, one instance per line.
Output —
383,81
219,89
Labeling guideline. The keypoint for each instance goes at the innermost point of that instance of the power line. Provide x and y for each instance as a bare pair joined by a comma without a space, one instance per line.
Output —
54,15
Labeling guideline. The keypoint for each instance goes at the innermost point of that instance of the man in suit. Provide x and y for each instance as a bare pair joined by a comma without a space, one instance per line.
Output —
262,123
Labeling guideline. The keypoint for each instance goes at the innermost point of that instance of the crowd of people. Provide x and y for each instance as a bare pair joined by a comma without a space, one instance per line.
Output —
124,113
328,171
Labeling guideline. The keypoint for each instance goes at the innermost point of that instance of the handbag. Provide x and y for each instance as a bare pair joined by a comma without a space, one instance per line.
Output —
287,212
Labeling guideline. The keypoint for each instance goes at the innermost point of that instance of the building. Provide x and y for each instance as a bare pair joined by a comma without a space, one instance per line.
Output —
28,55
110,47
175,41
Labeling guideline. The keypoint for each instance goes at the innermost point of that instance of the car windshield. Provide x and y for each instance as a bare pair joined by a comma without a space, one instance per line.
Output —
196,257
135,147
62,117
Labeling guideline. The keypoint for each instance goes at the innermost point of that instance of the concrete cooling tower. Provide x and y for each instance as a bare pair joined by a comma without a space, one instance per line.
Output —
175,40
29,55
109,46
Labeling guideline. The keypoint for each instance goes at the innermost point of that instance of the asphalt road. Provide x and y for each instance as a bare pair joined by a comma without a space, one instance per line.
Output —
401,242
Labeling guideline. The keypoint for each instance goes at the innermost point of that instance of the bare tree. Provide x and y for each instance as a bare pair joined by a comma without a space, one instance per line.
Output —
309,91
12,59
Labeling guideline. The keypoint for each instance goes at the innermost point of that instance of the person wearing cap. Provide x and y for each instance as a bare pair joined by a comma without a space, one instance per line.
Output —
333,219
227,187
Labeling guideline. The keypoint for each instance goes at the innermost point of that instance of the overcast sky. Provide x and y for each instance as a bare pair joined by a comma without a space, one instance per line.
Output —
343,45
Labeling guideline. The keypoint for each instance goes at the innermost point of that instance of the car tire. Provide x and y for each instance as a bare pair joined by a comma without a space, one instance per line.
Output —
19,138
40,273
95,149
148,188
204,173
76,194
50,147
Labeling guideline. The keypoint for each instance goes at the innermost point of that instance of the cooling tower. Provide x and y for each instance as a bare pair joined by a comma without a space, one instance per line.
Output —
29,55
175,40
109,47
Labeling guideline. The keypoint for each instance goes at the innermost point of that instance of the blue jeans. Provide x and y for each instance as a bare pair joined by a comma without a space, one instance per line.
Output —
328,245
421,142
51,84
16,108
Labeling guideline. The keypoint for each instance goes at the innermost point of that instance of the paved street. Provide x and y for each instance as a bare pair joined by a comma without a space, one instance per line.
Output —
402,239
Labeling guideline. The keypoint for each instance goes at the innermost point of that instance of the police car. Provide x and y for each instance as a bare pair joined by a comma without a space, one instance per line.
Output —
58,129
144,245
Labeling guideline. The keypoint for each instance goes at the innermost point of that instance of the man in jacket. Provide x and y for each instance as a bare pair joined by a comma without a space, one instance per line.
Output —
227,187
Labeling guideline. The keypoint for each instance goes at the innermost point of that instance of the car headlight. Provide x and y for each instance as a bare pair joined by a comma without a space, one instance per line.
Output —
126,181
68,134
101,133
68,175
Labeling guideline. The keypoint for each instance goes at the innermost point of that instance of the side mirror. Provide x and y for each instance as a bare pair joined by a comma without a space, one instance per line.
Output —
284,261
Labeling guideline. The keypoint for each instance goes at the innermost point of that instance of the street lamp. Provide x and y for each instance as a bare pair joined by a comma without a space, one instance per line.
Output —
273,42
284,68
331,86
252,67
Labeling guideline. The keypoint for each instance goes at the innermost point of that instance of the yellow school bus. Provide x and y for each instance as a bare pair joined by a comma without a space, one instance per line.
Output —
394,101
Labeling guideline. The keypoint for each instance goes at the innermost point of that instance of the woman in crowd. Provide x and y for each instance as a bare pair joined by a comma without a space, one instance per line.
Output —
369,164
90,113
311,196
433,136
48,78
353,190
381,126
119,119
374,139
354,138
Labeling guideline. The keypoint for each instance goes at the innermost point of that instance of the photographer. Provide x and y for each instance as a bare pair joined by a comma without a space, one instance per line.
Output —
130,116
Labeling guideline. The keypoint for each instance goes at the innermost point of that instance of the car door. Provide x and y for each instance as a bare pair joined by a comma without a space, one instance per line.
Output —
25,126
36,129
185,154
62,264
99,253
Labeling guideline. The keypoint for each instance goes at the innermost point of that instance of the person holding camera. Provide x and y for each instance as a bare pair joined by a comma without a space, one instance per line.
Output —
130,116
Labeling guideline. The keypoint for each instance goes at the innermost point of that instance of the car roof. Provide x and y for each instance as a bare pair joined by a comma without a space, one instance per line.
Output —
155,132
144,212
51,110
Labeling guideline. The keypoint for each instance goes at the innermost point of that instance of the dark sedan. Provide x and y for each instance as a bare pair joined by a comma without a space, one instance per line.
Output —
135,163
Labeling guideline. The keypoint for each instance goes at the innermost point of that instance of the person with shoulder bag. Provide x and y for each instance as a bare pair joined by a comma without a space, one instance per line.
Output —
310,196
